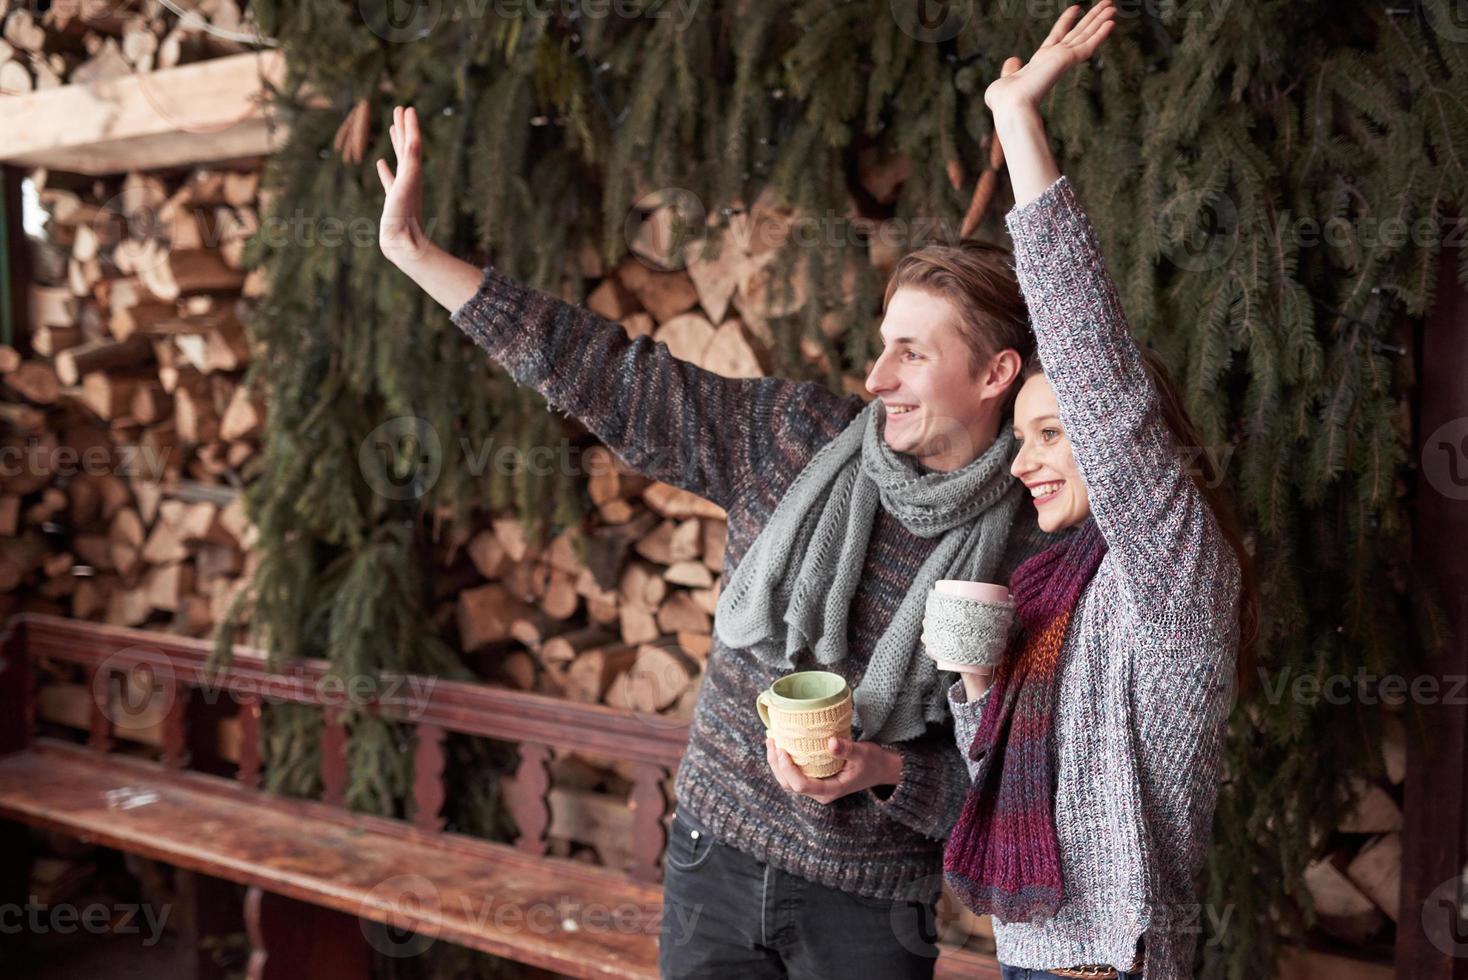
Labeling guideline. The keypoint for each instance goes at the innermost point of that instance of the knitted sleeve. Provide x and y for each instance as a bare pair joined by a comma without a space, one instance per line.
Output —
1159,530
668,419
966,716
929,794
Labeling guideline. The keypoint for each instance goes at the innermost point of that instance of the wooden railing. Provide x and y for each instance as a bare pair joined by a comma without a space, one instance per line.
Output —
433,707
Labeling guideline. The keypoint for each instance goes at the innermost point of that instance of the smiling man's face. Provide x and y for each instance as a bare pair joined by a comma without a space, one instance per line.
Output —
939,410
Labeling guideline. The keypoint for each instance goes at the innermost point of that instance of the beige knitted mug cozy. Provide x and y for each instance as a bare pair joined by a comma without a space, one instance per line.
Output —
801,711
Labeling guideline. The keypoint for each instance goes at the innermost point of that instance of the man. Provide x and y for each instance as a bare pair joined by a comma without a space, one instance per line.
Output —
841,517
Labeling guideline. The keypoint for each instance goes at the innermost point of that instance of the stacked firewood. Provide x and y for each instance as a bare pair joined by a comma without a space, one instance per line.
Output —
83,41
1355,883
127,426
621,615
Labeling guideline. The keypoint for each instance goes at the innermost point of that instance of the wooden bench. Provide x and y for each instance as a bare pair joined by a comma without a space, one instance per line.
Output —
318,876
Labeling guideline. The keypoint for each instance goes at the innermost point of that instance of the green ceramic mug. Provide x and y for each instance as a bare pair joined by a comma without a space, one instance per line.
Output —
801,711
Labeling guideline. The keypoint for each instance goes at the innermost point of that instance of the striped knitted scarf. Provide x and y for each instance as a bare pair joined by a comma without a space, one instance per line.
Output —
1003,856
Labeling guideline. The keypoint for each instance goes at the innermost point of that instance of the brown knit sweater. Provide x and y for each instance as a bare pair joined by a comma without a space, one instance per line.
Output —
740,444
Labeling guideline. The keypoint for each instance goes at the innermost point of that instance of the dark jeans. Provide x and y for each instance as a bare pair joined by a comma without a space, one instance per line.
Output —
726,915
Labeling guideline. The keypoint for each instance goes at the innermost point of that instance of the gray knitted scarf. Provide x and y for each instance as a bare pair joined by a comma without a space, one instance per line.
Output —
792,590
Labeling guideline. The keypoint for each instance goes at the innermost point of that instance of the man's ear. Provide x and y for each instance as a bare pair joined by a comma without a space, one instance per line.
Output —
1003,370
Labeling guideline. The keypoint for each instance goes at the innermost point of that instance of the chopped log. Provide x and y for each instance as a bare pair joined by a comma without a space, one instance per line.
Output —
637,625
687,336
639,325
696,645
485,615
19,557
487,554
663,294
564,553
167,585
707,599
535,627
35,381
189,271
612,300
735,353
1341,907
110,396
607,548
9,514
592,672
1374,811
681,613
165,543
1377,871
715,271
1394,749
658,677
565,648
561,599
101,355
512,537
693,574
642,586
670,501
657,545
244,417
50,341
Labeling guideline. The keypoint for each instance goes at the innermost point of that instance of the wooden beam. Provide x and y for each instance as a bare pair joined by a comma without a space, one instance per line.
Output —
1430,944
196,113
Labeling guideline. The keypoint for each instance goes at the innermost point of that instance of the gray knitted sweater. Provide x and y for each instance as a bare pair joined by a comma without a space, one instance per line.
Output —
1147,681
741,443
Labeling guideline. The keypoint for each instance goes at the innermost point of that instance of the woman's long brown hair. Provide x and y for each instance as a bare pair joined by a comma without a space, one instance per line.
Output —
1209,480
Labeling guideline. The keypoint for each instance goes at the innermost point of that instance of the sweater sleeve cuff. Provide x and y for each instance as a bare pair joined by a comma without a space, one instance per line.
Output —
483,315
919,800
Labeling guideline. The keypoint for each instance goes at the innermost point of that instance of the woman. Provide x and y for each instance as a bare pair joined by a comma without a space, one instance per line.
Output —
1096,744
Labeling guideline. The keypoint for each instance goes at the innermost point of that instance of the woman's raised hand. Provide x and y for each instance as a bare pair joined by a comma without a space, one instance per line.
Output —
1025,85
400,232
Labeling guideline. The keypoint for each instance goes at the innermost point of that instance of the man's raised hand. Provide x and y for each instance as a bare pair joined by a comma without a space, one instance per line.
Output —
400,232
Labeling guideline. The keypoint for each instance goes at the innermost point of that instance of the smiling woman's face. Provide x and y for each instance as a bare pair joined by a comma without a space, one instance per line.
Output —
1045,463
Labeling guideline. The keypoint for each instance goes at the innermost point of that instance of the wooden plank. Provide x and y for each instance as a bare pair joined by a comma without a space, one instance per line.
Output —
205,111
542,911
467,708
1430,941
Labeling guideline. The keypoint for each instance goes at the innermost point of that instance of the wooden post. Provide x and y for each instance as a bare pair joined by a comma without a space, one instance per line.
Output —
207,907
15,691
291,940
1432,942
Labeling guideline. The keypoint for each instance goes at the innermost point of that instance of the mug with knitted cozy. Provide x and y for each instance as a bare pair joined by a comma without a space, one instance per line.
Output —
801,712
966,625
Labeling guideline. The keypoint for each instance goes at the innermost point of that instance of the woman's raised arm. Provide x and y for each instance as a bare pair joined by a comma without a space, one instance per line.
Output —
1155,520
